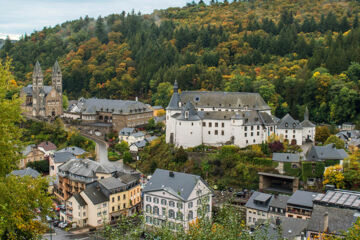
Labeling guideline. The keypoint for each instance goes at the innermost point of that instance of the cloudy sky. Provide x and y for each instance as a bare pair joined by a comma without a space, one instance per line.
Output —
18,17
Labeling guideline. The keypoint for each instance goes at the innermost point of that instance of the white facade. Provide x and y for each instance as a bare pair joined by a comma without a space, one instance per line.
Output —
253,215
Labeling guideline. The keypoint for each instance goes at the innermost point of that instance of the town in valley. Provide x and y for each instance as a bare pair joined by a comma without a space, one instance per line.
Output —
216,120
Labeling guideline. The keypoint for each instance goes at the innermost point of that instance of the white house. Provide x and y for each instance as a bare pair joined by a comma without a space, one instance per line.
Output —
58,158
176,199
217,118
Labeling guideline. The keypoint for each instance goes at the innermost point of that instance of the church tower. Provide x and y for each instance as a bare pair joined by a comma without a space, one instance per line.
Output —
56,82
38,90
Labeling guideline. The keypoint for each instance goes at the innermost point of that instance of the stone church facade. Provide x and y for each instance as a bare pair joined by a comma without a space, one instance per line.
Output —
40,100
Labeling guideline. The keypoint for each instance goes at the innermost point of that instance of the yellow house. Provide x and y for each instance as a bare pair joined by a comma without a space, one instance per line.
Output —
124,194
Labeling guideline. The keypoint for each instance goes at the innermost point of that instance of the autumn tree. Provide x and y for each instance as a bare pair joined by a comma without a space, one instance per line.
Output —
322,133
24,202
334,175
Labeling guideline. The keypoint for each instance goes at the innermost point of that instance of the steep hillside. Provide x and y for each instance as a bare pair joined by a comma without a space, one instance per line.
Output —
294,53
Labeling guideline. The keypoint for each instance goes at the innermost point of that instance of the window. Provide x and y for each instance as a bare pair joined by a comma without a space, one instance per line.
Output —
171,213
271,129
124,205
156,200
252,128
247,141
245,134
210,124
252,134
249,219
148,198
199,201
286,131
216,124
258,133
118,198
192,124
163,211
113,209
156,210
293,131
171,203
190,204
294,136
113,199
148,208
198,192
190,215
209,132
245,128
199,212
163,202
99,214
179,205
216,132
258,127
148,219
204,124
222,124
222,132
124,196
179,216
253,140
104,205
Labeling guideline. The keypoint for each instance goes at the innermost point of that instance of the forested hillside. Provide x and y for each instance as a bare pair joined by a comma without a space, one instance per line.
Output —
294,53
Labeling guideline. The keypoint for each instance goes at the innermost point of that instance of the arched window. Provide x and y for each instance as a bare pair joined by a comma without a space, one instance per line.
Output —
179,216
163,202
156,200
156,210
148,208
199,212
190,215
171,213
171,203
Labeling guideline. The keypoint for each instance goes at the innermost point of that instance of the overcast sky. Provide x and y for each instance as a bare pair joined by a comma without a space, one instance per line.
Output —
18,17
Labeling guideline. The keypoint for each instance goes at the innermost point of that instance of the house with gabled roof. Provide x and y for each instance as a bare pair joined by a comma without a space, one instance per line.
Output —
176,199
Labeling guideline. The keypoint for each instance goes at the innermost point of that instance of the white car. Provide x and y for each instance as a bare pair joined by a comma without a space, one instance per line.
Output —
62,225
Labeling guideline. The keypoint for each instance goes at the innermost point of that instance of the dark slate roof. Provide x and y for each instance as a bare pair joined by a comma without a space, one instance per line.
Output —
287,122
340,219
25,172
279,201
138,134
84,167
174,102
235,100
126,131
128,178
340,198
286,157
140,144
79,199
111,183
151,138
251,203
181,185
94,105
95,195
74,150
157,107
302,199
28,149
29,91
307,124
47,146
292,227
317,153
192,113
61,157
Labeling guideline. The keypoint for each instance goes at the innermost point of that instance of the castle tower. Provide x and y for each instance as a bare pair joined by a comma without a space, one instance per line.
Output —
38,89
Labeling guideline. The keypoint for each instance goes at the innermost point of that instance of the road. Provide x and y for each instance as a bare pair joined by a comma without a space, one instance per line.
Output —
101,148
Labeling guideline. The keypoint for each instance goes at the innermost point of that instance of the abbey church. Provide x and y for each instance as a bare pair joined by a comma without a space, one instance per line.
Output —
40,100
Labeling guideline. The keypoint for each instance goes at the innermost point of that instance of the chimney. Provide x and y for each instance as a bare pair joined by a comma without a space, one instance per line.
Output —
326,222
171,174
136,99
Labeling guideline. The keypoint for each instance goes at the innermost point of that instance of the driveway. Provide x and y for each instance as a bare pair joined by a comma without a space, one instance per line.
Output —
101,148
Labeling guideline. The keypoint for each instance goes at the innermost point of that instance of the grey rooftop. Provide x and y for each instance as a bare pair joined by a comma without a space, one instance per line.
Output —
95,195
302,198
25,172
286,157
327,152
253,202
62,157
74,150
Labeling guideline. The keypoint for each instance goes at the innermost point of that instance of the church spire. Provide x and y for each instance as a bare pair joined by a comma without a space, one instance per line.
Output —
176,88
306,113
37,70
56,69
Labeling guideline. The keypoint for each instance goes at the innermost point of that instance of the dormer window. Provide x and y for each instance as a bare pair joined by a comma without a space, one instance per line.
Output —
286,124
187,114
294,124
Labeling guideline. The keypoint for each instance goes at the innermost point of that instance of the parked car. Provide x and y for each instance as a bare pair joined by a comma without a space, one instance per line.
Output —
63,225
56,223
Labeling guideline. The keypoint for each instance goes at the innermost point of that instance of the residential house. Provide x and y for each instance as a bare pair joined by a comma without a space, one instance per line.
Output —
135,137
277,206
137,146
175,199
286,159
76,151
348,126
257,207
76,173
31,154
350,138
326,153
300,205
26,172
125,133
58,158
330,221
47,147
97,205
76,211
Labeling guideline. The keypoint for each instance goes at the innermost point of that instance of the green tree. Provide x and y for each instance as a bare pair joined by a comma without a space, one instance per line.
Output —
127,158
65,102
163,94
122,147
339,144
322,133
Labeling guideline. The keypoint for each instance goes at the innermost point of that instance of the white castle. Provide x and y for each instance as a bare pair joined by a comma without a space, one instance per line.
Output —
218,118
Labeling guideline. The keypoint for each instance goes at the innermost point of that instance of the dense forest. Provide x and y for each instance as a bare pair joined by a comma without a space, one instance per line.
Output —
294,53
